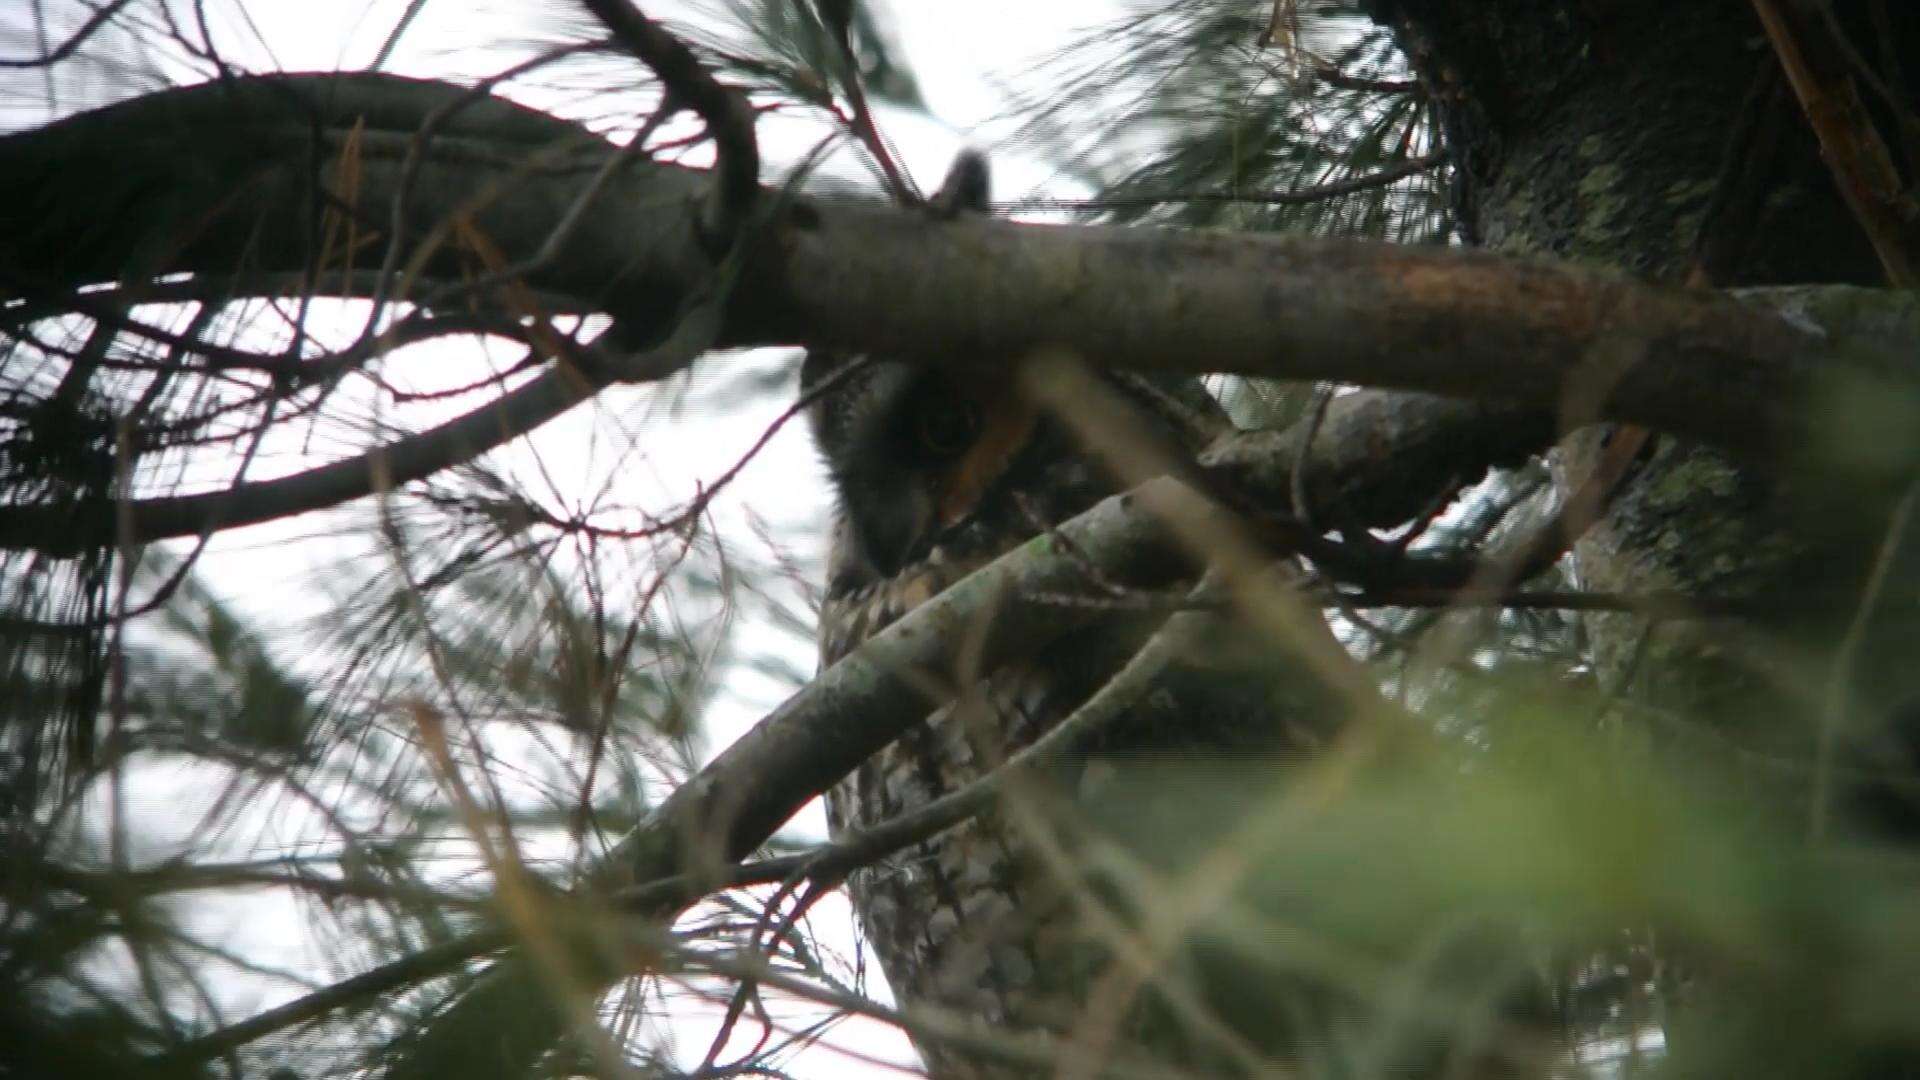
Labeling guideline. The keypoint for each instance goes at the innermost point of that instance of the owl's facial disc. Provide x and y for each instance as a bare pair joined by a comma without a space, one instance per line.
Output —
1007,422
914,451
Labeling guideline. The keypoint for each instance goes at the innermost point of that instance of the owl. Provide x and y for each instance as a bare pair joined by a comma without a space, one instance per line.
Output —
937,472
1028,916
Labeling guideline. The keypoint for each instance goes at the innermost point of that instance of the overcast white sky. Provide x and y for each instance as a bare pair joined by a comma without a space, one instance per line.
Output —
958,52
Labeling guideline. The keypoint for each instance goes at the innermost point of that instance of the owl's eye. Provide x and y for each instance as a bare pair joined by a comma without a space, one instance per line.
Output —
945,424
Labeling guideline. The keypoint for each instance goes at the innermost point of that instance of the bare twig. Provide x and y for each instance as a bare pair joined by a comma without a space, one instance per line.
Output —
1582,508
1057,746
725,110
100,18
1863,170
1333,76
1297,482
1386,177
406,971
410,458
515,413
1667,606
837,17
1839,678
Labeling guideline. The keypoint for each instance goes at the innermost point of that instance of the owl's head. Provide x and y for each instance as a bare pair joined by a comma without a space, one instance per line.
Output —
938,469
921,456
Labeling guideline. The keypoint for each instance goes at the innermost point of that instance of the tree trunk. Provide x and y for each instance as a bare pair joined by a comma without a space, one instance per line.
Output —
1661,138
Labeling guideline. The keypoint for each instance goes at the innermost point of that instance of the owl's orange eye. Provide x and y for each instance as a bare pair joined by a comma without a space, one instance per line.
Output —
946,424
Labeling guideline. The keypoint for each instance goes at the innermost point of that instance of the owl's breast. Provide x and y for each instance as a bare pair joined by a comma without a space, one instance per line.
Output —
959,920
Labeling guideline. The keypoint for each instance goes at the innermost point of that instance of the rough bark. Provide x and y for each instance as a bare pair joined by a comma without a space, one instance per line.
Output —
1657,138
1653,137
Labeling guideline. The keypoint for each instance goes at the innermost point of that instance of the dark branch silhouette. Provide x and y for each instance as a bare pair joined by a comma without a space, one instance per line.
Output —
867,277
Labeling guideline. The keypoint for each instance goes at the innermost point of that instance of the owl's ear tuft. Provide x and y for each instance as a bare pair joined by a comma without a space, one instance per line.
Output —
967,189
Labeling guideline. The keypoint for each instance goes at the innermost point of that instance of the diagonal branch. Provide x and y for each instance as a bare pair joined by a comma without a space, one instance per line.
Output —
1862,166
72,527
1333,76
832,724
408,970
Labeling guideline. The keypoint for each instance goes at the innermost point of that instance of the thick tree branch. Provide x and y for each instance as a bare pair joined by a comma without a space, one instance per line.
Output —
859,705
1061,742
224,169
1459,323
229,179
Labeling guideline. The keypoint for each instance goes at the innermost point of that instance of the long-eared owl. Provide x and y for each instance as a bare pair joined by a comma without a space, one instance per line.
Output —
938,470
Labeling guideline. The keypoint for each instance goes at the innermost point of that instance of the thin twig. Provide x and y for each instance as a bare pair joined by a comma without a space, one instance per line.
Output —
1390,175
728,118
406,971
405,459
1862,168
1127,686
838,21
1840,676
1333,76
94,23
1297,476
1664,605
1585,506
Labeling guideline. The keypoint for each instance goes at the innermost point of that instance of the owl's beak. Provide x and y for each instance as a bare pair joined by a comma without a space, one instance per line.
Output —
1008,424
